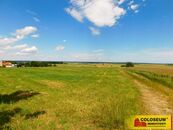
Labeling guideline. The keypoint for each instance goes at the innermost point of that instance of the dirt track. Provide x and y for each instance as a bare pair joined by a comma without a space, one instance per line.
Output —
154,101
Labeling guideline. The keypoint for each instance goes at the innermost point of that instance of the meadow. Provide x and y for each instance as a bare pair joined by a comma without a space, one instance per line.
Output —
81,96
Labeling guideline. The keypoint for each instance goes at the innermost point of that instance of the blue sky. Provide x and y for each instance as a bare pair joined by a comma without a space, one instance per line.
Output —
92,30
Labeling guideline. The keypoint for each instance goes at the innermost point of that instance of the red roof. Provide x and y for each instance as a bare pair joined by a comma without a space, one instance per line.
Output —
6,63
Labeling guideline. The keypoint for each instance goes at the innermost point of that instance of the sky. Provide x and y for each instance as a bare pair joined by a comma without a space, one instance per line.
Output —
87,30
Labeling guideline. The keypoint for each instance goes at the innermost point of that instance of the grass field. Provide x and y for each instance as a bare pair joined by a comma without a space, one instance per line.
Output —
87,97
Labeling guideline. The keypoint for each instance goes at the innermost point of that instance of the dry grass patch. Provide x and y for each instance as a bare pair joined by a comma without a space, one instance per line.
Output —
104,65
52,84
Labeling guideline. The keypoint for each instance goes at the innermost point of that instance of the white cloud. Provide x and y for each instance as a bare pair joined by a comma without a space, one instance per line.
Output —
21,33
16,47
147,55
60,48
35,36
6,41
75,13
36,19
143,56
29,50
13,51
136,11
18,35
99,12
134,6
95,31
9,45
1,52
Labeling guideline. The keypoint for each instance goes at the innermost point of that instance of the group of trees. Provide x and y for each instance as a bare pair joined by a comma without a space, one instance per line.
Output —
33,64
37,64
128,64
47,64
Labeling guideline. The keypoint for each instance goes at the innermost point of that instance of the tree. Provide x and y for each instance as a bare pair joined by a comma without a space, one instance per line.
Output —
128,64
33,64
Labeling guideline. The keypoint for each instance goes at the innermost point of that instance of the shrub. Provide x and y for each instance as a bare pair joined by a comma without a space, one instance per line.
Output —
128,64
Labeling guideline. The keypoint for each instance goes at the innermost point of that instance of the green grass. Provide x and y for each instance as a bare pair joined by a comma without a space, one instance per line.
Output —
75,97
164,79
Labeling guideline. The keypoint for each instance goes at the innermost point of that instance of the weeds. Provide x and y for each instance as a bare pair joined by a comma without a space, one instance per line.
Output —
166,80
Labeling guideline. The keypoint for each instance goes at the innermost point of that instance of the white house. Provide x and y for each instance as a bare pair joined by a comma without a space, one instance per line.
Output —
6,64
1,63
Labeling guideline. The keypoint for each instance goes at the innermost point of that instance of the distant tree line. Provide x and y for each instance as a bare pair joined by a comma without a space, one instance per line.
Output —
170,64
37,64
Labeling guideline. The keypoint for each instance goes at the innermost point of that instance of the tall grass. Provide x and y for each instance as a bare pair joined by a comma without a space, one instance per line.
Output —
112,113
166,80
69,97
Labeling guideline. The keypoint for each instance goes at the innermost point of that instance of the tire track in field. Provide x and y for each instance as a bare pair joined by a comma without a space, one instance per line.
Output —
154,101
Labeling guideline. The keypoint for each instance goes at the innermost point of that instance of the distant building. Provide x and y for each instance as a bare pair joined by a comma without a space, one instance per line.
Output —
1,63
6,64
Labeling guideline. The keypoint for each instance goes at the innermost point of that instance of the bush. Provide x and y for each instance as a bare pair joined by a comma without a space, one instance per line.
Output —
128,64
